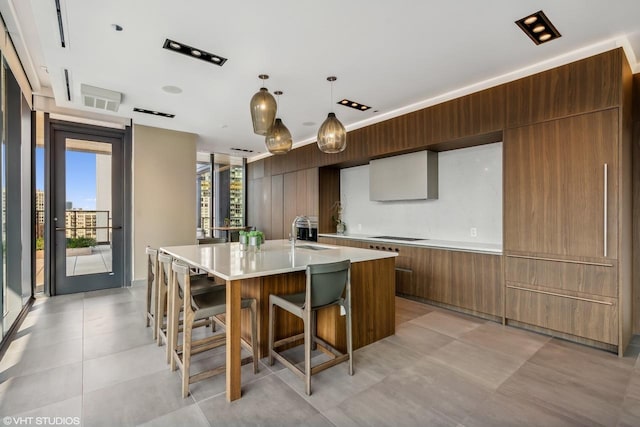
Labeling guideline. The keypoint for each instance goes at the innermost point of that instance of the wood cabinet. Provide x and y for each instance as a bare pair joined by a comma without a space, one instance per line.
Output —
555,199
468,280
259,197
587,85
563,199
274,201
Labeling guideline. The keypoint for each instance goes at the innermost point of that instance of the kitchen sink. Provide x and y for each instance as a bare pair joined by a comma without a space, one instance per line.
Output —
313,248
405,239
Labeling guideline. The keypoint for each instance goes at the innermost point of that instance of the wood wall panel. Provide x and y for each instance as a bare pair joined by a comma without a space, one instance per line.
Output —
636,202
582,86
625,204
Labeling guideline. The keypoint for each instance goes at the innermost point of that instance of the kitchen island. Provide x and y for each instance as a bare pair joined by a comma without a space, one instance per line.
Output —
279,268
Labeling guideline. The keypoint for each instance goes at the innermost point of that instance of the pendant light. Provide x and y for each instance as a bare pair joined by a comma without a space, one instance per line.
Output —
263,109
278,139
332,136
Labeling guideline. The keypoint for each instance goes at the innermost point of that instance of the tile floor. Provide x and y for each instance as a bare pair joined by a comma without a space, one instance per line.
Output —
89,356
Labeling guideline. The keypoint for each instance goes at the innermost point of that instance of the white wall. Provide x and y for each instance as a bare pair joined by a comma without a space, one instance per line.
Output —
470,195
164,196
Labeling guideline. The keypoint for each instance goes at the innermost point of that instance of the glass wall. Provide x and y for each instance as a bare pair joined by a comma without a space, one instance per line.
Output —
229,195
204,217
3,179
14,129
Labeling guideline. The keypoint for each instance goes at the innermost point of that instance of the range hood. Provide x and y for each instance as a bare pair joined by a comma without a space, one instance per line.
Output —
412,176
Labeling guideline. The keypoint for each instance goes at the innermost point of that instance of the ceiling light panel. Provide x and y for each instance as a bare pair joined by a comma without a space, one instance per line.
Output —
538,27
194,52
153,112
354,105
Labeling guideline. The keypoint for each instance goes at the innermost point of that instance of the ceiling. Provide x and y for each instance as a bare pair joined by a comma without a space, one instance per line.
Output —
393,56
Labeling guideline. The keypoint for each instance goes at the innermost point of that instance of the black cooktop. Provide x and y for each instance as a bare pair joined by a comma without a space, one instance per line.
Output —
406,239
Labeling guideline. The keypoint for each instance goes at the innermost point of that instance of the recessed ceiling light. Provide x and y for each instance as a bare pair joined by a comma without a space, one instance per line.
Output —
353,104
538,29
535,24
544,37
194,52
244,150
171,89
153,112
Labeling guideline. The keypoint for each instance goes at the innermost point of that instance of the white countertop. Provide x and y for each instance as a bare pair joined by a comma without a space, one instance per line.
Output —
228,262
489,248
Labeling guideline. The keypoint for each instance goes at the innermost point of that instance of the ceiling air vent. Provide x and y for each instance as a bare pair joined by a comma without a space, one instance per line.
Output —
102,99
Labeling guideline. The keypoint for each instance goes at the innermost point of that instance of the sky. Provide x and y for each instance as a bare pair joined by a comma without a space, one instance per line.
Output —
81,178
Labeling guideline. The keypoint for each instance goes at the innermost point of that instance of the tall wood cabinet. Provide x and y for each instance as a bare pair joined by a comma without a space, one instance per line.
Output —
281,197
567,200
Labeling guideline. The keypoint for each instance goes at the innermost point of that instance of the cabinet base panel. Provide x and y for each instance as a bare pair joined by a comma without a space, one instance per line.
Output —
568,337
452,307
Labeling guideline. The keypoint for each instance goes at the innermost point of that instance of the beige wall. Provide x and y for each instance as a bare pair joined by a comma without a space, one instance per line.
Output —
164,191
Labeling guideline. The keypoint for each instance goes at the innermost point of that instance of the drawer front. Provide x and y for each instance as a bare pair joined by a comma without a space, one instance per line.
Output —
596,320
575,277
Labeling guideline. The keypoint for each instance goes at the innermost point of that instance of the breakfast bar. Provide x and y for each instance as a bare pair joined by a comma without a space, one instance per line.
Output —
279,267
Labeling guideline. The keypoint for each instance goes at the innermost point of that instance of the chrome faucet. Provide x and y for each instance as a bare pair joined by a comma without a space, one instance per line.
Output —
294,234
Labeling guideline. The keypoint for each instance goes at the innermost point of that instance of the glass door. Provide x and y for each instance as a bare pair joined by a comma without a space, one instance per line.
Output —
88,200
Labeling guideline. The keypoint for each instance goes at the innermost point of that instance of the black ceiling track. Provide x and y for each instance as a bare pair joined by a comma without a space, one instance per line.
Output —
66,82
60,27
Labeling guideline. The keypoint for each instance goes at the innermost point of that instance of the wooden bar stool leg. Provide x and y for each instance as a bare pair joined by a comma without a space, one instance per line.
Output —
307,351
272,322
186,350
160,311
254,335
176,303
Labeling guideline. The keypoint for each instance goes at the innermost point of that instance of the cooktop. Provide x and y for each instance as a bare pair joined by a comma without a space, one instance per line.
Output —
407,239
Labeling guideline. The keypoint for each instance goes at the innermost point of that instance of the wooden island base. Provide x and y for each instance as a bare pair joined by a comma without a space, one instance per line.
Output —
372,305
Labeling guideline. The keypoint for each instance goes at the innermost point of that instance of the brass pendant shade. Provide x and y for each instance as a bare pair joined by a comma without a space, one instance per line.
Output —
278,139
332,136
263,109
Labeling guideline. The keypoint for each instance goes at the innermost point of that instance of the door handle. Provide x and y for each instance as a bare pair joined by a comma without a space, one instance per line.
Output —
606,196
60,229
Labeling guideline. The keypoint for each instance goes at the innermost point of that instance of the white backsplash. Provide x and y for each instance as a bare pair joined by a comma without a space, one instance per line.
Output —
470,196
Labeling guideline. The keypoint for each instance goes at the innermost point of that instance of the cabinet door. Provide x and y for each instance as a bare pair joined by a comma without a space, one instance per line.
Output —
555,199
277,207
290,206
432,274
476,282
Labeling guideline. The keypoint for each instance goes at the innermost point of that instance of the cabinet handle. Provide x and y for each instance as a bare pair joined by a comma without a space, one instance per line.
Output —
606,194
404,270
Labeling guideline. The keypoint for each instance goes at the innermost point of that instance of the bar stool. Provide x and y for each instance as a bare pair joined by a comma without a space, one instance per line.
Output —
152,288
324,288
199,284
197,307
